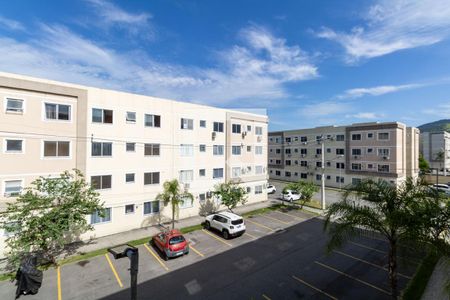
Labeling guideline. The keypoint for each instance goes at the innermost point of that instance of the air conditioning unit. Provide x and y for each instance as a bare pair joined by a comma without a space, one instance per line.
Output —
356,156
15,109
259,138
187,186
244,133
213,135
303,155
317,155
385,157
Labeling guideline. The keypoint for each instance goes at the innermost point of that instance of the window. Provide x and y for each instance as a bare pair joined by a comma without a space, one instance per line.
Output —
101,182
278,151
151,207
328,164
339,179
318,151
258,189
236,172
303,151
129,177
303,139
369,166
356,137
14,146
340,165
202,172
278,173
369,150
383,152
131,117
185,202
13,187
258,150
258,130
186,176
101,149
383,135
236,150
218,173
202,197
131,147
186,150
318,164
340,151
288,162
249,149
56,149
236,128
203,123
202,148
296,150
356,167
278,162
318,177
187,124
303,163
97,217
356,181
328,177
218,149
370,135
287,151
129,209
328,150
249,128
151,178
356,151
152,149
340,137
259,169
288,140
102,116
152,120
383,168
57,112
218,127
14,105
304,175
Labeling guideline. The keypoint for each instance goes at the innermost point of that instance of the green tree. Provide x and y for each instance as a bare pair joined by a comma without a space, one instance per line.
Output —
424,166
304,188
174,195
48,215
231,194
381,207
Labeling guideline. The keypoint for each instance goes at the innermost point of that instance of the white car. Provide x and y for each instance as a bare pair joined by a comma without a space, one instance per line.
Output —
227,223
271,189
290,195
441,188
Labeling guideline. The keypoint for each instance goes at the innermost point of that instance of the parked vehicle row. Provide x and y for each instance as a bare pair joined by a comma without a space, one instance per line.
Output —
444,188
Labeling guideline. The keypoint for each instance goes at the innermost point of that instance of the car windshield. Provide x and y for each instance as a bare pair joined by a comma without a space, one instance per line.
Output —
176,240
237,222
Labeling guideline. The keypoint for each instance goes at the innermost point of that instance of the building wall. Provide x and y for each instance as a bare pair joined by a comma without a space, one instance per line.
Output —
431,143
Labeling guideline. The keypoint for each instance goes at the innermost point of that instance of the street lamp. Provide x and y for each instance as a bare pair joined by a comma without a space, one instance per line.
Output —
132,253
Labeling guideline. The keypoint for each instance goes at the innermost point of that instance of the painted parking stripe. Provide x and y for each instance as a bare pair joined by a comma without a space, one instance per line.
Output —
354,278
114,271
260,225
314,288
196,251
58,273
369,263
156,257
217,238
275,219
250,235
367,247
286,214
266,297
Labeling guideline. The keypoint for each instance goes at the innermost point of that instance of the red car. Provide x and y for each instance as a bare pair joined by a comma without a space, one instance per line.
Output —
172,243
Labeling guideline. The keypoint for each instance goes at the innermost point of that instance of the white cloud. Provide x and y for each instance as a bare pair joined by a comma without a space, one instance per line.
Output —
366,115
326,108
393,25
111,13
441,111
11,24
377,90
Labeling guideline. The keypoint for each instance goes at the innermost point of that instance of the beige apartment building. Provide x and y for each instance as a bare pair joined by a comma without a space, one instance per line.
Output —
127,145
432,146
388,151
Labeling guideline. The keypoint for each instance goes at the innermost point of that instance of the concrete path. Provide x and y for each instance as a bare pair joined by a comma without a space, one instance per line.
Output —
439,279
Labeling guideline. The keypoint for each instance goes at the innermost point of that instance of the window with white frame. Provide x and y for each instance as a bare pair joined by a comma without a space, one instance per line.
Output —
203,123
249,148
152,149
186,176
129,209
13,146
202,172
218,127
185,202
258,130
186,150
249,128
356,137
101,182
100,115
236,128
101,149
152,120
356,167
54,111
151,178
202,148
258,150
187,123
383,152
383,135
217,173
56,149
218,150
129,177
151,207
12,187
131,117
101,216
236,150
258,189
259,170
131,147
236,172
14,105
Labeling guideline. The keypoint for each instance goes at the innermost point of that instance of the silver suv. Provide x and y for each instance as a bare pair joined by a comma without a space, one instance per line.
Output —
227,223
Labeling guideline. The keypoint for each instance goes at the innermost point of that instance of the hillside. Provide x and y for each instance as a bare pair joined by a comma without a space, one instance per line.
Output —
441,125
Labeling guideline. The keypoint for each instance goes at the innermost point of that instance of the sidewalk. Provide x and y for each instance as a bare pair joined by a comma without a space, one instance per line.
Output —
436,286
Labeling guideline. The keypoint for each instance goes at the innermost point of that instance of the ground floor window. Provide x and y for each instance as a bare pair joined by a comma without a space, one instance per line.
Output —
258,189
129,209
151,207
96,217
186,203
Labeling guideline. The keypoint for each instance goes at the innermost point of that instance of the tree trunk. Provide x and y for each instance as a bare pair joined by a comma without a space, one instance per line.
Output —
173,216
393,268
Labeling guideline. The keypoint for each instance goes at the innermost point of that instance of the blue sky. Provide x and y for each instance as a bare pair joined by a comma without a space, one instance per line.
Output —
310,63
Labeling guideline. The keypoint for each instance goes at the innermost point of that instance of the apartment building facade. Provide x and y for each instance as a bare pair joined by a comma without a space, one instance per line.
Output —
432,144
127,146
377,150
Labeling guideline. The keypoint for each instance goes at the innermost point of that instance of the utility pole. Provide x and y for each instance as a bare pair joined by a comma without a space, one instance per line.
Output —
323,173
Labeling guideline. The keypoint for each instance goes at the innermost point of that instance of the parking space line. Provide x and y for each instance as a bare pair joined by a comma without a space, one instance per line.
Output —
114,270
156,257
252,236
367,247
266,297
369,263
196,251
275,219
217,238
286,214
354,278
260,225
58,273
314,288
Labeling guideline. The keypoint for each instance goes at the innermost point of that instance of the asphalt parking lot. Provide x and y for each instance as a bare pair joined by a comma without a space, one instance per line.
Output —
104,276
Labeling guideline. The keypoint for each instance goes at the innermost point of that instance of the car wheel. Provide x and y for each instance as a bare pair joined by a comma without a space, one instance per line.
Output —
290,200
225,234
207,225
166,258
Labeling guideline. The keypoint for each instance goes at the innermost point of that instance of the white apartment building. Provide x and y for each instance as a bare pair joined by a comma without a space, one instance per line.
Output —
378,150
127,145
433,143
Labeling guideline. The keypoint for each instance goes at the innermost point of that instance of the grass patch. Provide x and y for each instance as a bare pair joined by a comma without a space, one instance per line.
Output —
192,228
263,210
312,203
83,256
419,282
7,276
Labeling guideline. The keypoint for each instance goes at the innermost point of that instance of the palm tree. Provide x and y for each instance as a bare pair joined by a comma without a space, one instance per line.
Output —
381,207
174,195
